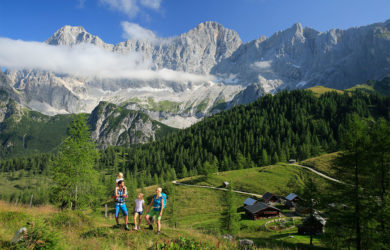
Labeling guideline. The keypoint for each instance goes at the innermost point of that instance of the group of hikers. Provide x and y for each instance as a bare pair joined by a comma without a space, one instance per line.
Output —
158,202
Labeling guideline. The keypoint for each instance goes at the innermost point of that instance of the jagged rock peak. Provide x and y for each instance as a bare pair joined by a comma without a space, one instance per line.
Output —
71,35
209,25
212,27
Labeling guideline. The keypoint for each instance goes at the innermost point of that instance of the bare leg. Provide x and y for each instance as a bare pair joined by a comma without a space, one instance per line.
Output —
117,220
135,219
147,219
126,219
139,220
158,225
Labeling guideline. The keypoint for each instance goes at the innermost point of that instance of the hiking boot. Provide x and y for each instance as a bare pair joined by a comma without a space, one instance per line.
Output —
118,226
127,228
150,227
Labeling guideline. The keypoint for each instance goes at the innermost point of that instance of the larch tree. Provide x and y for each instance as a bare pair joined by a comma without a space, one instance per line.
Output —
76,182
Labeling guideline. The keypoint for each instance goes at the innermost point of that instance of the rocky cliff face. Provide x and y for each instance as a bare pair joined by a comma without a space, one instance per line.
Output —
302,57
112,125
196,51
294,58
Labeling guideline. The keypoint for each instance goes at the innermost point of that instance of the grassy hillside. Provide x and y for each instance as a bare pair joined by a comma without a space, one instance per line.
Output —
197,213
87,230
323,163
381,87
280,179
320,90
201,208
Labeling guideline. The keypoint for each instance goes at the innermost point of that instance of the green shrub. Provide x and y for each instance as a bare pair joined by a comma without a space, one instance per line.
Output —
39,236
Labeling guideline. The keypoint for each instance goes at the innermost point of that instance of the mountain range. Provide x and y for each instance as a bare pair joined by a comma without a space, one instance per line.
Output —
234,72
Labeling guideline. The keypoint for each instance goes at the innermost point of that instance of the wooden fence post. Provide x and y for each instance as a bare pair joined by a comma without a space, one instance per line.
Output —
75,200
31,200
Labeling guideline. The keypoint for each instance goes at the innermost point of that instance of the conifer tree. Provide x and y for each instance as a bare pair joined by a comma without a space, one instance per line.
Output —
349,221
310,200
75,179
230,220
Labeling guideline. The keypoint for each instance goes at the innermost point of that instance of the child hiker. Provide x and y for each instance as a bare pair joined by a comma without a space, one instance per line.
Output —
120,178
139,206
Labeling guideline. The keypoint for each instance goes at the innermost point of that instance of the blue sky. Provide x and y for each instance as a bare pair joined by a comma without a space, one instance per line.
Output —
37,20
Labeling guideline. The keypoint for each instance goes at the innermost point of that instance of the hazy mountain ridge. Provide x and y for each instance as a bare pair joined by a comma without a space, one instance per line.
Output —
112,125
294,58
23,131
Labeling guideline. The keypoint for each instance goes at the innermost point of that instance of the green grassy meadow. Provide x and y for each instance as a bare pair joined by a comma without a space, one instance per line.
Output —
323,163
197,213
280,179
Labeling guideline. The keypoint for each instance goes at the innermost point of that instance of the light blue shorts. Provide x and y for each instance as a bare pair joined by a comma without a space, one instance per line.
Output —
120,206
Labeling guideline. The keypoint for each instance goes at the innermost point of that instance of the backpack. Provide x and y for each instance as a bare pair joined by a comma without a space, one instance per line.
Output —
164,196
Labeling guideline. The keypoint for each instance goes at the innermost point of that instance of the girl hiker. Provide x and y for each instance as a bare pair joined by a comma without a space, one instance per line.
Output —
158,203
139,206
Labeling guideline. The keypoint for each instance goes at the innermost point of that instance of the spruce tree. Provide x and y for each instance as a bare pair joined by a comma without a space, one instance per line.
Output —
230,220
75,179
380,179
349,222
310,200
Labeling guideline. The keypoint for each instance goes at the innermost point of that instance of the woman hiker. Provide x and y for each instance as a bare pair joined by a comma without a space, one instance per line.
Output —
158,206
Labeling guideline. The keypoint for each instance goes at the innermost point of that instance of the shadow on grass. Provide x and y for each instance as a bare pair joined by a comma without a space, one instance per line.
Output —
97,232
196,180
273,243
5,244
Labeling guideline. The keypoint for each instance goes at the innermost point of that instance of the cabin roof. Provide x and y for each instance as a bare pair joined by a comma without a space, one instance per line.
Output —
267,196
291,197
259,206
249,201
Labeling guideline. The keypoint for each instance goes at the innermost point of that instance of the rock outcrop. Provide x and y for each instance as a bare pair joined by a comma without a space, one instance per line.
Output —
112,125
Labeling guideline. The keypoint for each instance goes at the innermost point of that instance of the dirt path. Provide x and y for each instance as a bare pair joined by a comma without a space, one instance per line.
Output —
211,187
318,173
258,195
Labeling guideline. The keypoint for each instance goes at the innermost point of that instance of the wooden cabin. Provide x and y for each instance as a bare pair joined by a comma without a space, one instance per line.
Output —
291,200
292,161
315,223
260,210
268,197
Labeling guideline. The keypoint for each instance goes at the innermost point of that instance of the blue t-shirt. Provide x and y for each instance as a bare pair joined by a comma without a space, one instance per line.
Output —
157,202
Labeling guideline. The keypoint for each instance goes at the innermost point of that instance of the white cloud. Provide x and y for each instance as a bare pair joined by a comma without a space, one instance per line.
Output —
131,7
136,32
262,65
153,4
81,4
85,60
